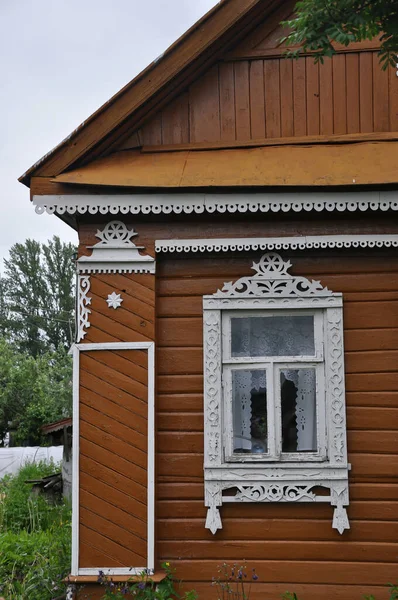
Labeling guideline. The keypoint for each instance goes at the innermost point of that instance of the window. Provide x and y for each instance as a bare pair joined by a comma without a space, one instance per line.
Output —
274,392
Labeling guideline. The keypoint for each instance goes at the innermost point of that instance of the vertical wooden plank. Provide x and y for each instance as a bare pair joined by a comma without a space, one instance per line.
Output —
326,97
227,102
380,96
257,100
299,97
366,92
272,98
175,121
339,94
204,104
152,131
393,99
352,78
286,82
242,100
312,70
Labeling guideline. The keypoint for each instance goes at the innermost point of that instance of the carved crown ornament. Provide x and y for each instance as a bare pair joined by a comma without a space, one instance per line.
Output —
116,253
243,478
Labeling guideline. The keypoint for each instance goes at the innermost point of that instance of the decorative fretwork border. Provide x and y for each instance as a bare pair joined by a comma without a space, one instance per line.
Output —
212,203
310,242
272,287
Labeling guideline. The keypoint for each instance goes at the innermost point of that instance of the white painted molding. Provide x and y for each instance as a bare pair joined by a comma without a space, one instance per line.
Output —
116,253
223,203
114,300
150,566
296,478
83,303
308,242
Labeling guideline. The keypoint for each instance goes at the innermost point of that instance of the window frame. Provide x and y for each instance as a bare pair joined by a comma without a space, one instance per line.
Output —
272,288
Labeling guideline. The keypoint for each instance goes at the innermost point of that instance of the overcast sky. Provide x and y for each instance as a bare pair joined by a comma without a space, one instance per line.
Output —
61,60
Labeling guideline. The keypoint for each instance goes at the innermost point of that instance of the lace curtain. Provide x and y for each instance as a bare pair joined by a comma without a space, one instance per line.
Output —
274,336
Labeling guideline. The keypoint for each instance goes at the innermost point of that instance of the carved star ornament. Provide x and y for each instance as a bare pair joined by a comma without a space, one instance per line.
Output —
114,300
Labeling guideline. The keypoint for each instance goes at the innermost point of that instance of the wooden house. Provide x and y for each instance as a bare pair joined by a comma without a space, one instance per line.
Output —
235,382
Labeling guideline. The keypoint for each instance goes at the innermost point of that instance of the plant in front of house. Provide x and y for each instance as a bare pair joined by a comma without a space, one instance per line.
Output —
144,588
234,582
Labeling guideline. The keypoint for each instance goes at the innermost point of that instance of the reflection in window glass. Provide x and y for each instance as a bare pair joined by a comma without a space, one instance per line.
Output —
273,336
249,405
298,388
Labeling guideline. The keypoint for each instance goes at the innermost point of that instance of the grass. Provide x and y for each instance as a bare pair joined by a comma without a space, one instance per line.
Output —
35,539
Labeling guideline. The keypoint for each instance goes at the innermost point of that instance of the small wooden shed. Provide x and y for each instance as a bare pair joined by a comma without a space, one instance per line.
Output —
235,367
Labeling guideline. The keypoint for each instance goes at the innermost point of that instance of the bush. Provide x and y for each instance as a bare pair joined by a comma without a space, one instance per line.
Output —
35,539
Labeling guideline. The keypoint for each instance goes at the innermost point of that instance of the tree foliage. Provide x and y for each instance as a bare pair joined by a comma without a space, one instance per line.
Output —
33,391
36,331
320,22
38,295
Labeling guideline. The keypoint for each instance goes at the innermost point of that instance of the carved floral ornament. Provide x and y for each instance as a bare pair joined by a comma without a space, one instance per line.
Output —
241,479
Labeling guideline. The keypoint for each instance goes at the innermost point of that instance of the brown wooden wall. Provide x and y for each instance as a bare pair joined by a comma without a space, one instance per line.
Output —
277,97
113,405
291,546
113,458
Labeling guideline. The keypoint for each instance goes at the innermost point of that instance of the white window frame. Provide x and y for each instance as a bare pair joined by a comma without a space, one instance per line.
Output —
282,477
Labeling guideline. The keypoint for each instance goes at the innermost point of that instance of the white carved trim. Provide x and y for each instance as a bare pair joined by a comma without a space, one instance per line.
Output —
76,349
272,280
272,288
114,300
200,203
83,302
278,243
116,253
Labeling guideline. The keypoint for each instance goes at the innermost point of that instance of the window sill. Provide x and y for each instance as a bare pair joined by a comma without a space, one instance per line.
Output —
72,579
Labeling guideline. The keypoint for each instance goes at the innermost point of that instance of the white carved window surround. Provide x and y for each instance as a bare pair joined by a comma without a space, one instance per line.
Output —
275,428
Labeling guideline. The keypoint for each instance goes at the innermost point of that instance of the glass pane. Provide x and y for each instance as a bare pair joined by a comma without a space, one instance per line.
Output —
273,336
298,397
249,407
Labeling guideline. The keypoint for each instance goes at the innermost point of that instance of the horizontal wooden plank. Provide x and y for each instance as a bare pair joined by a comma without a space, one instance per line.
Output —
180,421
379,399
312,265
259,166
369,573
179,384
358,510
373,418
277,529
371,362
371,339
364,382
179,402
288,550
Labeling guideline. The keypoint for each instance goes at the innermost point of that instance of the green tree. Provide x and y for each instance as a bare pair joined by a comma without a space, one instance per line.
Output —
33,391
39,294
320,22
